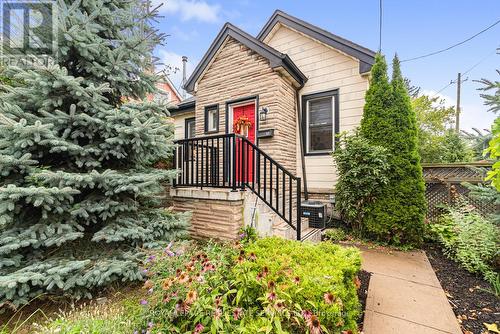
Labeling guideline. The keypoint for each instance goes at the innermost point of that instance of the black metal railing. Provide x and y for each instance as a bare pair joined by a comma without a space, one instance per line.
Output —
232,161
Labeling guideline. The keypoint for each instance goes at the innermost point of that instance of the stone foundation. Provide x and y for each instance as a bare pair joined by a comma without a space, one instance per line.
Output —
221,213
216,213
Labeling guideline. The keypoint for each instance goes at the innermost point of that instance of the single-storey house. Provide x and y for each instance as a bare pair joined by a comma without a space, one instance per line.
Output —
256,137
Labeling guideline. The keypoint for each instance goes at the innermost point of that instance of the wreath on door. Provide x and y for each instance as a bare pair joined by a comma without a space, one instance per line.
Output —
241,125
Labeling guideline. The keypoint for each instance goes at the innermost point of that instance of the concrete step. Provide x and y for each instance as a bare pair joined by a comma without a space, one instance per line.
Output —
311,234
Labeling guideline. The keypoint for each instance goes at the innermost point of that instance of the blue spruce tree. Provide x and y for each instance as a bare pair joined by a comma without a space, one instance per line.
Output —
78,195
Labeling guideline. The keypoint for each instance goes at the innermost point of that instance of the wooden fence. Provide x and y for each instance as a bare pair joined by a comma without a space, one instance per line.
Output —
443,186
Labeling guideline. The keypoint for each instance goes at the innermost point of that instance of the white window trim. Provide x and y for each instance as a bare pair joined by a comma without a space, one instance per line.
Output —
211,116
308,148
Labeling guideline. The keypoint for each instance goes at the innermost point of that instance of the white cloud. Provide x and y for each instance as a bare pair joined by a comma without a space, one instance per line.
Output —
447,100
471,115
178,33
190,9
173,64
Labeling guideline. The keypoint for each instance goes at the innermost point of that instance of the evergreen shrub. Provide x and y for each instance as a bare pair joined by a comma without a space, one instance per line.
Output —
397,215
78,196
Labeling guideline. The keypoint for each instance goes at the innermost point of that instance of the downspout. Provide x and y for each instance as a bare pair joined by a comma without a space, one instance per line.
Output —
302,157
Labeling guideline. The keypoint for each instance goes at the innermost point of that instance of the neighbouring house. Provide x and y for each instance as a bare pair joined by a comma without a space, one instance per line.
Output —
167,92
256,137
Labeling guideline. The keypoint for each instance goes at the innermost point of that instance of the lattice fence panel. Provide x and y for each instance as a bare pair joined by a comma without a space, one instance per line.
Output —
437,195
444,187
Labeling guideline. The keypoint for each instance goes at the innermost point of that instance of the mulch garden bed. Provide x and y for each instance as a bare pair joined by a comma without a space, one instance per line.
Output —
466,292
364,277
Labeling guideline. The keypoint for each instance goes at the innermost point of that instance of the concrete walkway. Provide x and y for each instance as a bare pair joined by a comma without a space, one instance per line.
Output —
404,295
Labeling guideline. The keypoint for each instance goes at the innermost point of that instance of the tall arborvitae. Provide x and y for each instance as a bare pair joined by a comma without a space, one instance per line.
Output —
377,103
78,195
397,215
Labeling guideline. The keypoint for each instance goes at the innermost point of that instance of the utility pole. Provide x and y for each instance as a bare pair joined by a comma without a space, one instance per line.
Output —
457,115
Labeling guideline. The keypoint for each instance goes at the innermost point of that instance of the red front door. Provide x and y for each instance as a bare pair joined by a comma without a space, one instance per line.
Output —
248,111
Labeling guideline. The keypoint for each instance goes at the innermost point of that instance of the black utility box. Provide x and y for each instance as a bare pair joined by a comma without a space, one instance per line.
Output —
315,212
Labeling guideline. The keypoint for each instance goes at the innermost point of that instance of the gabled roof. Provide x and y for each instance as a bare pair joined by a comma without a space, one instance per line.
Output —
172,86
276,58
366,56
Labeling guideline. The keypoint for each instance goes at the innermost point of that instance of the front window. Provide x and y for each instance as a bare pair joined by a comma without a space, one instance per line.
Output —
190,128
319,124
212,119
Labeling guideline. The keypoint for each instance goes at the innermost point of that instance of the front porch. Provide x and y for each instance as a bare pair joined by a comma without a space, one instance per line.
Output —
228,182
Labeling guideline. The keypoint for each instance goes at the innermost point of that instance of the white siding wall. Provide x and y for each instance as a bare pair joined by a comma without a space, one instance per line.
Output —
326,69
179,122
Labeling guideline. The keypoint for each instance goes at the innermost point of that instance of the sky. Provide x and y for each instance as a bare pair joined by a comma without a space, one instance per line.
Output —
410,29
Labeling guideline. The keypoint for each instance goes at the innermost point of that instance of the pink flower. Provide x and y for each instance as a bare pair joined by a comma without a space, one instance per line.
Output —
271,296
169,252
182,307
217,313
314,325
329,298
144,302
237,313
259,276
279,306
252,256
198,329
306,315
296,280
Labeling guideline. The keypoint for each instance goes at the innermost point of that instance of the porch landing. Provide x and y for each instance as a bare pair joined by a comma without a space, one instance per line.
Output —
404,295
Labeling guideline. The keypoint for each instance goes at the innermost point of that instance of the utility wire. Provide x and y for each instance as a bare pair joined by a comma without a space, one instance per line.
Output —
454,45
463,73
380,28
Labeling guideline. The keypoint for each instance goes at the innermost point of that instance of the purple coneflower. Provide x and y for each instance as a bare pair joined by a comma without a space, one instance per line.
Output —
191,296
314,325
271,285
306,315
252,256
217,313
237,313
271,296
329,298
279,306
296,280
183,278
198,329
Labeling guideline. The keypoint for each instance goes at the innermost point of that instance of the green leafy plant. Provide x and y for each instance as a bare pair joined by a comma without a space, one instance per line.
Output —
492,100
335,234
470,239
363,171
271,285
248,234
